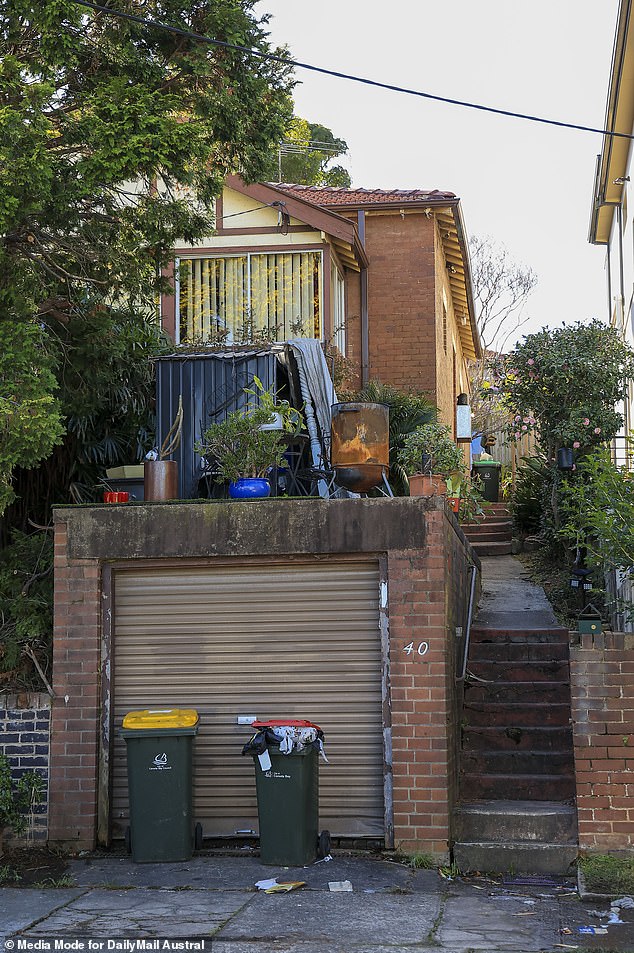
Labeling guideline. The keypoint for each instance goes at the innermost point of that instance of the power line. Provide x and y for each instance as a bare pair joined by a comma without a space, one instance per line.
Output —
286,61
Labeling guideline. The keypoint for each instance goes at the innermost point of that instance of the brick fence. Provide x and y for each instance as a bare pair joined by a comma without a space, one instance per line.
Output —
602,688
24,739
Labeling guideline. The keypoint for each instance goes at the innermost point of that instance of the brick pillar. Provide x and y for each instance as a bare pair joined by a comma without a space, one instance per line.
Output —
420,669
75,709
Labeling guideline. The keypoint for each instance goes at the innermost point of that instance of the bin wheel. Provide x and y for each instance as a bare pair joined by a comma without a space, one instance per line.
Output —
198,836
128,840
323,844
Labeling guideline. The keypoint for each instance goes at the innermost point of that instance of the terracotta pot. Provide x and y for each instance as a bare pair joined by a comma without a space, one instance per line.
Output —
420,484
454,503
160,480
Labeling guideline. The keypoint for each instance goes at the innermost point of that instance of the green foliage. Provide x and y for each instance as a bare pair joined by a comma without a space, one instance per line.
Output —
434,439
407,411
238,447
604,873
597,512
26,608
114,139
305,155
527,494
473,506
564,385
17,797
30,421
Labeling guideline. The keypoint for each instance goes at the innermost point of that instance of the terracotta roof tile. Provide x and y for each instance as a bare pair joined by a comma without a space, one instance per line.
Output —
330,196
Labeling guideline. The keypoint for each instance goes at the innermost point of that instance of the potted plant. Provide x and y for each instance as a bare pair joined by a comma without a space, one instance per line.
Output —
429,456
160,475
248,444
17,798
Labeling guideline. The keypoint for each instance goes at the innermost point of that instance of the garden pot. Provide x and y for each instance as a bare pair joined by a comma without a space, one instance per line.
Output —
420,484
454,503
249,488
160,480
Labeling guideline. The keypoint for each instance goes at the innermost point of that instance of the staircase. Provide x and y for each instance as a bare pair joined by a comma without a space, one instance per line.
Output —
517,784
491,537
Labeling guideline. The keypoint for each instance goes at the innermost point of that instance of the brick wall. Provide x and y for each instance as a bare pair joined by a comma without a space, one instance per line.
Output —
76,683
602,687
428,599
406,278
24,739
426,558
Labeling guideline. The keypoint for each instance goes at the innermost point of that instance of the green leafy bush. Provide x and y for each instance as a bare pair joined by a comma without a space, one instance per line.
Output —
26,609
17,797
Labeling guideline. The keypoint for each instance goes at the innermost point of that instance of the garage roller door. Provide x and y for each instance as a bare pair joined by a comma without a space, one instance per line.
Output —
297,640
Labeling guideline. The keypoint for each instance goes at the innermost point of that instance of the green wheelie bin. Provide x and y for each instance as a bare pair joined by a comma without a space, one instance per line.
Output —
487,472
159,753
287,787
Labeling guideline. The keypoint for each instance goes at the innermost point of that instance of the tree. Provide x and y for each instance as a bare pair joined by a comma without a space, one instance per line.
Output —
501,288
305,154
563,385
114,139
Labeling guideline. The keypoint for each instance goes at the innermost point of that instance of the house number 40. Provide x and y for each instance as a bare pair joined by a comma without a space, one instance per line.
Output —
411,649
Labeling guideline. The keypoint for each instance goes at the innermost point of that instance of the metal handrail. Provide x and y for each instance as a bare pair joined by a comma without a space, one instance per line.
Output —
467,635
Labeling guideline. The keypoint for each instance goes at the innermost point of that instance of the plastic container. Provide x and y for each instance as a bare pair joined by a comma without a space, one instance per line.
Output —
159,747
488,475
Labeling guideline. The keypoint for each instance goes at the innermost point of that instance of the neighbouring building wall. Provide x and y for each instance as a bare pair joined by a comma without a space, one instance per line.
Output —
427,561
24,739
602,688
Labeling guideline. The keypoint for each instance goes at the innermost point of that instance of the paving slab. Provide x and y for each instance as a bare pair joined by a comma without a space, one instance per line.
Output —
142,912
216,872
518,924
19,907
338,921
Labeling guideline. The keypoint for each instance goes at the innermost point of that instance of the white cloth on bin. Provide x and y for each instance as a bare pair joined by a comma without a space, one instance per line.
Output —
296,739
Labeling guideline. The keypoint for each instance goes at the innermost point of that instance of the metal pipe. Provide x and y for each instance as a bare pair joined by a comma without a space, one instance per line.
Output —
365,323
467,635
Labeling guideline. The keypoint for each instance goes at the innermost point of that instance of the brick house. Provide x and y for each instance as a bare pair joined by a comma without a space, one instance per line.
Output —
384,275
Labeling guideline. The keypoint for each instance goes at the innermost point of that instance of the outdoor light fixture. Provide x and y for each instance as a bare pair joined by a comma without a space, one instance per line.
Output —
463,419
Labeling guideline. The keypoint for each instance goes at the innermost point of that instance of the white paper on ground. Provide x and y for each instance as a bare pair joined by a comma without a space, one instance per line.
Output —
337,886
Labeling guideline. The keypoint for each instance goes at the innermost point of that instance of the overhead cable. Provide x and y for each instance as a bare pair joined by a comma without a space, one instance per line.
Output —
287,61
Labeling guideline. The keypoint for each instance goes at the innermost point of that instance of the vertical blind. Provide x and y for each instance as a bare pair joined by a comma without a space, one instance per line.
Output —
239,298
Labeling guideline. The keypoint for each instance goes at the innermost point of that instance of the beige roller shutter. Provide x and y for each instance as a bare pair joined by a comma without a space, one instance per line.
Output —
298,640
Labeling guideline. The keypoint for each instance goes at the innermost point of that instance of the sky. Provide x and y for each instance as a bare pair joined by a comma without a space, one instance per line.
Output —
526,185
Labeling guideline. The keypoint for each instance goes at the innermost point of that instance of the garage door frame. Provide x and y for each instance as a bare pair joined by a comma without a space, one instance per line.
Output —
106,742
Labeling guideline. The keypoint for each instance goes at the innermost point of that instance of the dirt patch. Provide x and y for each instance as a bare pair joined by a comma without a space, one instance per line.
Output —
28,866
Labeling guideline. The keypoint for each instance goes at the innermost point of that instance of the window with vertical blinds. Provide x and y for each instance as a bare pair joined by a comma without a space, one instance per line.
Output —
241,298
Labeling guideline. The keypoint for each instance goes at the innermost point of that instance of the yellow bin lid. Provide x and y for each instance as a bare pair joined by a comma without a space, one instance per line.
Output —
161,718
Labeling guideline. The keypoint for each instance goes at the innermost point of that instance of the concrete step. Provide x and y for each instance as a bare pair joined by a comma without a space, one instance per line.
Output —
498,634
523,787
520,670
503,738
480,531
502,651
520,762
482,714
492,548
512,821
517,693
516,858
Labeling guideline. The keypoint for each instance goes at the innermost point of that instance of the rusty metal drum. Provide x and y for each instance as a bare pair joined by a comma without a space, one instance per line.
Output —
360,444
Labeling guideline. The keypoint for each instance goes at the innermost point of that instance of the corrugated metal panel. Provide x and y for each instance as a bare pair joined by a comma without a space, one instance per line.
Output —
211,387
277,640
